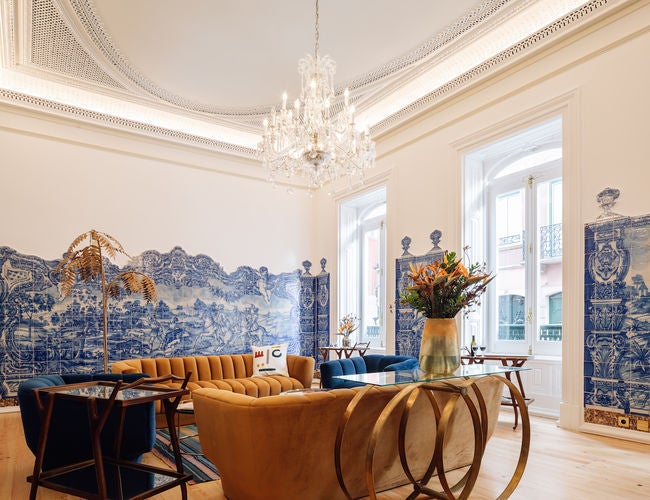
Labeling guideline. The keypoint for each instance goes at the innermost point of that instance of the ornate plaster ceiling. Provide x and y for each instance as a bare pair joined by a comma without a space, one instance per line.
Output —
206,72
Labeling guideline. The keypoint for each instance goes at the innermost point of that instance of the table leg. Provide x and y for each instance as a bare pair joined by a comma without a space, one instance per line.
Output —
514,403
45,413
170,409
325,353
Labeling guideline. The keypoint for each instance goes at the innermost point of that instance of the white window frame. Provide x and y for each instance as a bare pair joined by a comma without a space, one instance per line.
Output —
528,180
352,228
481,166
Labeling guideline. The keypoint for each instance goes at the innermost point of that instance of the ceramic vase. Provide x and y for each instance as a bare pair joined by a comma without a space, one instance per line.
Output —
439,349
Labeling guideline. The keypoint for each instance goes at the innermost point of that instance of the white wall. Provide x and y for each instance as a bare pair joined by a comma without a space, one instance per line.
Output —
59,180
598,80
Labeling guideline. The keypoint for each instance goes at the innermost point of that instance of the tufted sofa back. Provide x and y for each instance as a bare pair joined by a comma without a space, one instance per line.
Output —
202,367
230,372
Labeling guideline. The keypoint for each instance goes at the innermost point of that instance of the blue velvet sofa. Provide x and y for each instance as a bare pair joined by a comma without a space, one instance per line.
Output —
69,437
370,363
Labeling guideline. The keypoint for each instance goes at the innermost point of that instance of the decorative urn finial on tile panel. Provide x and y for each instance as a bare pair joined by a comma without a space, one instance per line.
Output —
607,199
406,244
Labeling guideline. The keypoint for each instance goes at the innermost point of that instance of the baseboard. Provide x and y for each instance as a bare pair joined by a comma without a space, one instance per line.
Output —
616,432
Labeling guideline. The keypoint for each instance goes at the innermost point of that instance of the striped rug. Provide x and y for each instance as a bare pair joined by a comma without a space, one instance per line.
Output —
197,465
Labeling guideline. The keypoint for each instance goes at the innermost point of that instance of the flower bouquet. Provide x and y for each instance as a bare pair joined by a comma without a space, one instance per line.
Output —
439,291
348,324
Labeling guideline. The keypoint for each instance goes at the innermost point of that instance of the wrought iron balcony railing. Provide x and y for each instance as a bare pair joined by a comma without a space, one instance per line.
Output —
550,333
550,241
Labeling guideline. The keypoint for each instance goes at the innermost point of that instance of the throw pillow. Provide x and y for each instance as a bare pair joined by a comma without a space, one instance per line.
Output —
270,360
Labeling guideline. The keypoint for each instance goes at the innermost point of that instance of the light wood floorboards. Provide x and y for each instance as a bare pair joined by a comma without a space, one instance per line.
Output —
562,465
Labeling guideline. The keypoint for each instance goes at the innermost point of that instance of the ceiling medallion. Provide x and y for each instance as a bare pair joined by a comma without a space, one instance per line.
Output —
311,140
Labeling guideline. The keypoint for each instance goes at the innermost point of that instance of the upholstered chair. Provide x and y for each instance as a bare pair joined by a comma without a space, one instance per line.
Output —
69,437
370,363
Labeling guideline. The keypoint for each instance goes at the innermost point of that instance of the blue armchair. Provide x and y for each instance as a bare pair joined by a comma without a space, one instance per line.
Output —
69,437
370,363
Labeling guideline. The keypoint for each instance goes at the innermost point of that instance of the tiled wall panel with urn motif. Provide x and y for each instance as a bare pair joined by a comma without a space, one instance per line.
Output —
617,322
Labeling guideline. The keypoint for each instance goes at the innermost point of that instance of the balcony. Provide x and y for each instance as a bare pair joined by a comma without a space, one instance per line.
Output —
547,333
550,333
550,241
512,332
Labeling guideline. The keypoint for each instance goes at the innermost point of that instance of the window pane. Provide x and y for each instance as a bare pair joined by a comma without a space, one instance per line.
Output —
510,271
370,324
549,278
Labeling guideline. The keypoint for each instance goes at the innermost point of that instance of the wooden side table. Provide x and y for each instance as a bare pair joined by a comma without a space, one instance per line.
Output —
513,360
361,348
88,479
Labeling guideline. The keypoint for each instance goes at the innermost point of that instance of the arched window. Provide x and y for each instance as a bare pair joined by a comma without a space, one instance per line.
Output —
514,221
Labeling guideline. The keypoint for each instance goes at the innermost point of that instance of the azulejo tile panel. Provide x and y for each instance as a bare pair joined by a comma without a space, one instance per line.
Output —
201,309
408,323
617,317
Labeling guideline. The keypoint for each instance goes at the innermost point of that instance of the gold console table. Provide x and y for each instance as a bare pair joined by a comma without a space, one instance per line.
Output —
415,381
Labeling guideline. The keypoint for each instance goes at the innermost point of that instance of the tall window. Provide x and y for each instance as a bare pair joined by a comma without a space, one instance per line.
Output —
514,188
362,262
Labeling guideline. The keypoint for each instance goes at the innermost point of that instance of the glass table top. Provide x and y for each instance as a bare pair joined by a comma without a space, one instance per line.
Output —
104,392
417,375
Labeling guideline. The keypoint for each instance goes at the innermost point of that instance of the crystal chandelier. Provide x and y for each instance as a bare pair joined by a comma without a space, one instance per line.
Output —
311,139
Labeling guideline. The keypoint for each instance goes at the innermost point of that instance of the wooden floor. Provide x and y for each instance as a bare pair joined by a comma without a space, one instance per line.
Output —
562,466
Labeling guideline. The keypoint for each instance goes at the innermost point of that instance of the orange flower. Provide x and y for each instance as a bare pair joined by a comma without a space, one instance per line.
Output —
442,288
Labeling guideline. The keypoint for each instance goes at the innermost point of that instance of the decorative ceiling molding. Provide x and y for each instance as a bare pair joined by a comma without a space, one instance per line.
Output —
29,101
85,12
55,47
49,22
8,41
491,64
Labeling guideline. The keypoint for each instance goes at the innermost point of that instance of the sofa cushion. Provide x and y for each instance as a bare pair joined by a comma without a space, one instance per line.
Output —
255,386
270,360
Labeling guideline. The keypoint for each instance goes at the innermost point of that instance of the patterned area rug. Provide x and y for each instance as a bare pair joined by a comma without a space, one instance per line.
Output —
197,465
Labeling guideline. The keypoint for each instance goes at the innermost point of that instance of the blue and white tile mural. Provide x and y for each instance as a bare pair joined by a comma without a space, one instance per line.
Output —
617,317
315,302
408,323
201,309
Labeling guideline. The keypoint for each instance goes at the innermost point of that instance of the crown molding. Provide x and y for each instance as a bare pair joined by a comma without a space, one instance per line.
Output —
133,88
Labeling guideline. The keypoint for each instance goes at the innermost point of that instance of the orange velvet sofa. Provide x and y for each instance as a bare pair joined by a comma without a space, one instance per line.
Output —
228,372
283,446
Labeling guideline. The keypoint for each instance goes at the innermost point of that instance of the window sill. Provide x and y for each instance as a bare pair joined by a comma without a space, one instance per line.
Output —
547,358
